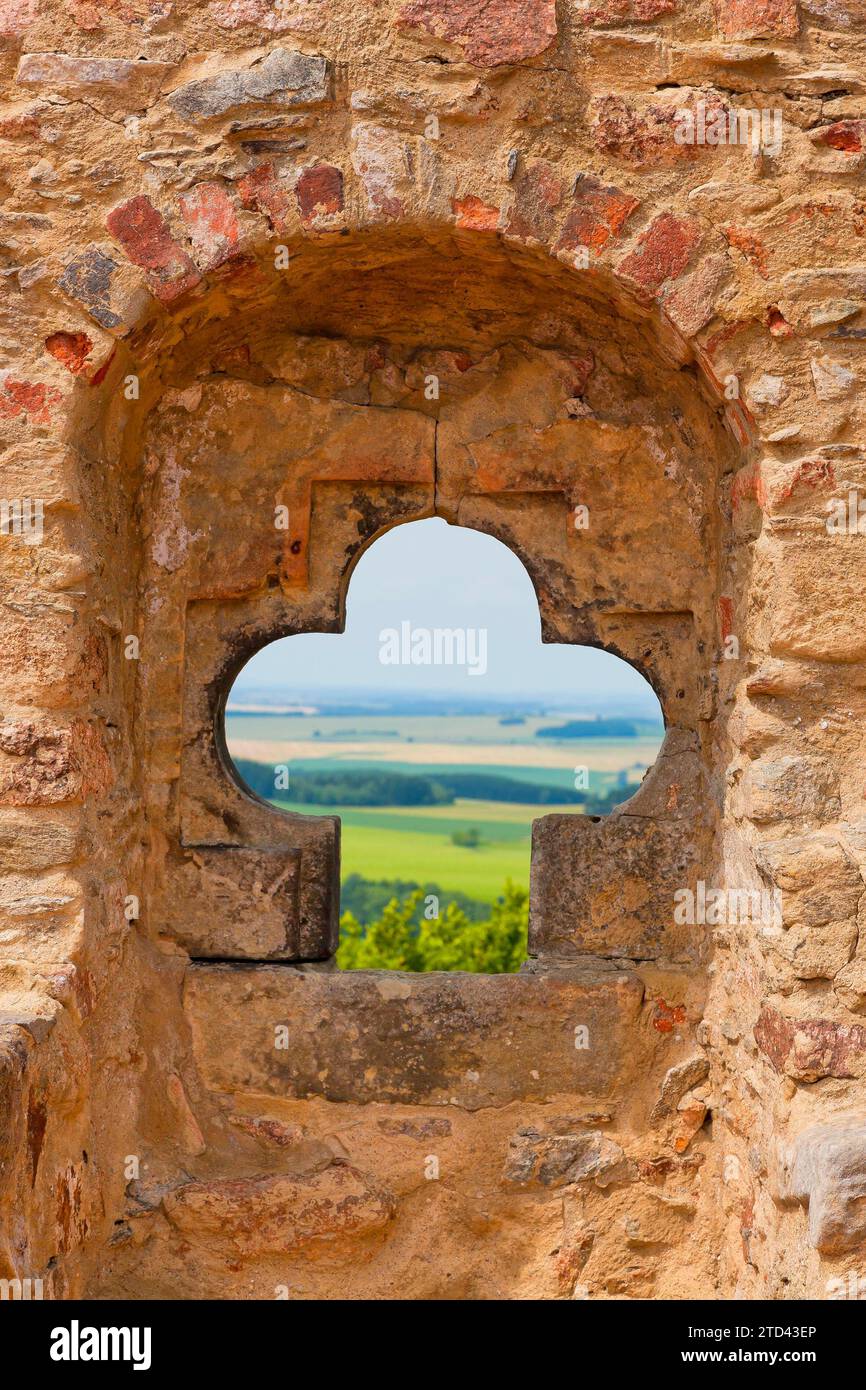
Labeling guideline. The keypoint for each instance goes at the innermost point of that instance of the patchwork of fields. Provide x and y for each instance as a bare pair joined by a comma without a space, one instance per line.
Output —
415,843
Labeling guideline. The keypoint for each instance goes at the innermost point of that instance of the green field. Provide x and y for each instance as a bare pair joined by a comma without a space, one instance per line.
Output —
414,842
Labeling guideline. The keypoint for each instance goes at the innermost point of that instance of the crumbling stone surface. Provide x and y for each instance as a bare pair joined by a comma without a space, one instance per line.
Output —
276,1215
238,240
825,1169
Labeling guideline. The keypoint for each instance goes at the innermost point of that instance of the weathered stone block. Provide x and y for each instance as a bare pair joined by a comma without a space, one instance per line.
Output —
490,32
110,84
606,887
386,1036
809,1049
790,788
238,903
46,765
276,1215
825,1169
283,78
557,1160
820,890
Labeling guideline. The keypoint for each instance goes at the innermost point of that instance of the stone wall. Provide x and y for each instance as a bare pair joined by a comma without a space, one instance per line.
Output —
238,241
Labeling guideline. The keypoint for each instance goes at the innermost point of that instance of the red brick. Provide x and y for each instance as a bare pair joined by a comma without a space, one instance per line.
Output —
474,215
145,236
662,252
72,349
319,191
490,32
262,191
598,15
757,19
209,214
598,212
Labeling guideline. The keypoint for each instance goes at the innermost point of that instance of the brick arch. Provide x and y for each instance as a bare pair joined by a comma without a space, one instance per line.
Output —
160,263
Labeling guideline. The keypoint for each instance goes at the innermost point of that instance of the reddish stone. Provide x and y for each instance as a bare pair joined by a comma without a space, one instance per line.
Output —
845,135
642,137
475,216
16,16
811,473
624,11
583,368
28,398
262,191
757,19
812,1048
539,193
778,324
490,32
72,349
666,1017
145,237
209,213
754,250
25,126
726,616
748,485
319,191
598,212
662,252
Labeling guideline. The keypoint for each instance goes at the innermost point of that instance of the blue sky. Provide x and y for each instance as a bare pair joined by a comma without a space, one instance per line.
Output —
433,575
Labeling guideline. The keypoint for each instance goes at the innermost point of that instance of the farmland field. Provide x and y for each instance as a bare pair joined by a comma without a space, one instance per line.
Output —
415,843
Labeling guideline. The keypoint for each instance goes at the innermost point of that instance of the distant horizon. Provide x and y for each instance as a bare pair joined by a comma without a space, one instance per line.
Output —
377,697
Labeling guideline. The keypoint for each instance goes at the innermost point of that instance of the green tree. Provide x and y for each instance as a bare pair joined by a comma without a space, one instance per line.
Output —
394,941
389,943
